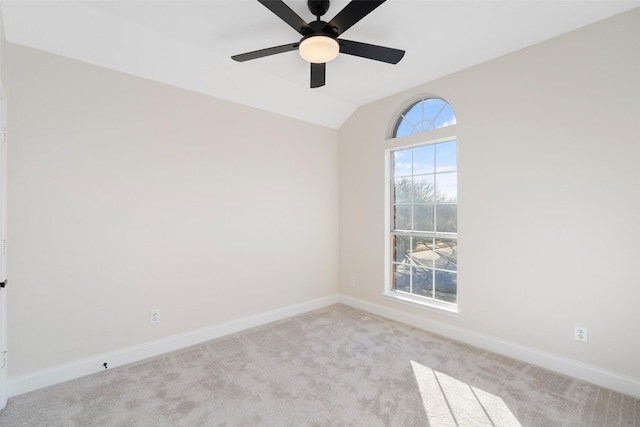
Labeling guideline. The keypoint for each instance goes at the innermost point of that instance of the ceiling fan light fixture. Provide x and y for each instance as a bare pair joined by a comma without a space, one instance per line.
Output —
319,49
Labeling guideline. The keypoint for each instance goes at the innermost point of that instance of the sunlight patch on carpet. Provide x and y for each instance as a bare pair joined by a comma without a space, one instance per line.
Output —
450,402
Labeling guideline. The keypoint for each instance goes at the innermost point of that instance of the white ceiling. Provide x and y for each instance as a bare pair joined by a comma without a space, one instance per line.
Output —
188,44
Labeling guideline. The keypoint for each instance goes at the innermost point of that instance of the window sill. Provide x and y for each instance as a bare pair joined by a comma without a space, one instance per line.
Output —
446,309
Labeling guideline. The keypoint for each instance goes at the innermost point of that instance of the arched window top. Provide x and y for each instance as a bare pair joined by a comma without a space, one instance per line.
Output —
424,115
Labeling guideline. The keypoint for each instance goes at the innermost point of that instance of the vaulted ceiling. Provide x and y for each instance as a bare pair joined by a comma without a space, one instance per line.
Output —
188,44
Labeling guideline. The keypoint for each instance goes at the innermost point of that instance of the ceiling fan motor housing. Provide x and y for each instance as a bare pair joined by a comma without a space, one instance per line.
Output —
320,28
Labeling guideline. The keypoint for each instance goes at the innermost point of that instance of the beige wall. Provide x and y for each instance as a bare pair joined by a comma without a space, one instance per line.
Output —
549,200
127,195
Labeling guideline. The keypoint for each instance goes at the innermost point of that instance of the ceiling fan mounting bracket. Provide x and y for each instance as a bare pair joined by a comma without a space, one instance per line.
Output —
318,7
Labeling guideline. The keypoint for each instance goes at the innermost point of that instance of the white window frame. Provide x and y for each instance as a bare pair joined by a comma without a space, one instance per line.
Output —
442,307
427,137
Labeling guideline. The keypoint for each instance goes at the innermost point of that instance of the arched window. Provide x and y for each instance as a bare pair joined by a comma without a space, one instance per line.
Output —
423,220
424,115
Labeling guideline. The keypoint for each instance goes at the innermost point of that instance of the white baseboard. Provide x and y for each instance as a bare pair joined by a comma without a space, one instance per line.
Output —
58,374
601,377
581,371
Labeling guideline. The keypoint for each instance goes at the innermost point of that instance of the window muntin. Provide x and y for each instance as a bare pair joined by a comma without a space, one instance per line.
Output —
424,221
424,115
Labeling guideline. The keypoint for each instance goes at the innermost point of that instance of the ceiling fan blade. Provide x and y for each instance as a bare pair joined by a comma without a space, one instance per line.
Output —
352,13
265,52
318,73
285,13
371,51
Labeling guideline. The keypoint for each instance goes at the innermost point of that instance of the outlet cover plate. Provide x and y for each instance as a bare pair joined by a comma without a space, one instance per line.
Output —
154,316
580,334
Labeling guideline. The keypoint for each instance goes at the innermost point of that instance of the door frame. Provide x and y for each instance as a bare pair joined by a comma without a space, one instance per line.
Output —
4,392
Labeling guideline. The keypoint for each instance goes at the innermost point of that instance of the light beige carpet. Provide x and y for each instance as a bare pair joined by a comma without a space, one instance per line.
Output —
334,367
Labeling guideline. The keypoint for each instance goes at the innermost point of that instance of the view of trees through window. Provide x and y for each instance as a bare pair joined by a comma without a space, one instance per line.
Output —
424,201
424,221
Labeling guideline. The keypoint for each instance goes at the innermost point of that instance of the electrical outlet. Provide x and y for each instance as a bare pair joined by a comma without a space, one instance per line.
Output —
154,315
580,334
352,280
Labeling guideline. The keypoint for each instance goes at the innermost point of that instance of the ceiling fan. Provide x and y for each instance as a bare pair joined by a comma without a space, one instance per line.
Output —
320,43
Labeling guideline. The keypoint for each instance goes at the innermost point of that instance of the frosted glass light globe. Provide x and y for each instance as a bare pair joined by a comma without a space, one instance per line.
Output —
319,49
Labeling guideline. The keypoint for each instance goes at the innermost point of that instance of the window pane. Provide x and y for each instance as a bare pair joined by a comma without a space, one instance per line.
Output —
447,218
423,189
446,254
401,248
402,217
446,117
405,128
422,253
422,282
446,286
446,156
402,190
447,187
424,115
414,118
402,163
423,218
423,159
400,277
